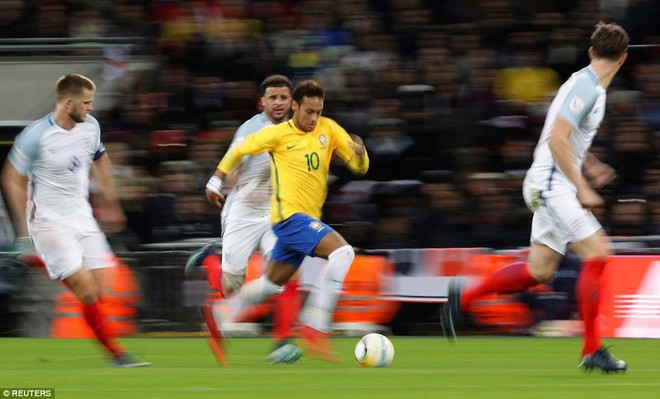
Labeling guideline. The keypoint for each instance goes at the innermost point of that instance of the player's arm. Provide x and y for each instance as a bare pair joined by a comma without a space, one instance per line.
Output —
109,213
261,141
597,173
14,188
351,149
563,156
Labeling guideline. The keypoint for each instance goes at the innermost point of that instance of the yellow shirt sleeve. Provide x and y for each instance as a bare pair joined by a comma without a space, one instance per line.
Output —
264,140
358,164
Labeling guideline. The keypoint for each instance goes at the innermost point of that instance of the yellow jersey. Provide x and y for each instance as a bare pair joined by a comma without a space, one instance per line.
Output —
299,165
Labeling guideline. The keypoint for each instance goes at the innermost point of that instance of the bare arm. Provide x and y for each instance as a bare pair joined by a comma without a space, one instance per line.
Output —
14,187
563,156
109,213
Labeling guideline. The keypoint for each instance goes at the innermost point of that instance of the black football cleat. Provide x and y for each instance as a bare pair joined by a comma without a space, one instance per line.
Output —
451,312
604,360
195,259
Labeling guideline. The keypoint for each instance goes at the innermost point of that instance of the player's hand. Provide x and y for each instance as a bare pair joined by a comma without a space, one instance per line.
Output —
22,245
214,191
24,252
215,199
358,144
111,219
589,198
598,174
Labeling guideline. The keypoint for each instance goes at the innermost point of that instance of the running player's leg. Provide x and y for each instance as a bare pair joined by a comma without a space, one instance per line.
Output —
97,256
318,312
240,239
320,306
594,251
285,312
239,242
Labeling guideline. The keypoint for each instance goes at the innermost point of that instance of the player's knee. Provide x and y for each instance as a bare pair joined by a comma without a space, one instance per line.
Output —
543,275
87,295
340,261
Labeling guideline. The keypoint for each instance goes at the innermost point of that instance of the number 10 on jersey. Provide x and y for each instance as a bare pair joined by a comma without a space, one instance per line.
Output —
312,161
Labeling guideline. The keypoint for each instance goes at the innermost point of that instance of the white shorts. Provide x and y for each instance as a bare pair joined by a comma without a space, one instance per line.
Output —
65,247
240,239
559,218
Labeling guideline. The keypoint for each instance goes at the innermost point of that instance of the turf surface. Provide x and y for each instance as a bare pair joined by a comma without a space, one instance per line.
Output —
423,368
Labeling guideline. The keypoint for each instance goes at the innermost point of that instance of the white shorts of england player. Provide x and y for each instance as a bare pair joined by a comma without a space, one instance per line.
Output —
559,218
241,238
66,246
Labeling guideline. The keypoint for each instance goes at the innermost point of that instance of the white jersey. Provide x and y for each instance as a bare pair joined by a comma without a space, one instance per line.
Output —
58,163
250,197
581,102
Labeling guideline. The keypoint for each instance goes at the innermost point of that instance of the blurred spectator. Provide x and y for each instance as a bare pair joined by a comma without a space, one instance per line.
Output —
16,19
528,81
628,216
445,220
389,149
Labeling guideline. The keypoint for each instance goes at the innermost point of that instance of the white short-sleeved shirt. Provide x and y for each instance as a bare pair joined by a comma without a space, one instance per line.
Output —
58,163
60,219
250,198
559,218
581,102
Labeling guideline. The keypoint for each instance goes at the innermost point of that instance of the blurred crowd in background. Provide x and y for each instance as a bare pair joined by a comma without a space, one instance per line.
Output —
449,96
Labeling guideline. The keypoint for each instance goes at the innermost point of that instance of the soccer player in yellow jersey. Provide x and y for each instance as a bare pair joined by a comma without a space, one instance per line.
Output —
300,150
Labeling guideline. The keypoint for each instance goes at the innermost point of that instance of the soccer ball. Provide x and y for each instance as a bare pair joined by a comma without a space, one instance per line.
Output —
374,350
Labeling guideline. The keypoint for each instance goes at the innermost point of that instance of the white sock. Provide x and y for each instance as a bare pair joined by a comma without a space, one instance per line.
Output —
320,306
252,293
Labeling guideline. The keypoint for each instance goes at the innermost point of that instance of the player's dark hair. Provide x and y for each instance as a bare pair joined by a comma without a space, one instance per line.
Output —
307,88
609,41
73,85
275,81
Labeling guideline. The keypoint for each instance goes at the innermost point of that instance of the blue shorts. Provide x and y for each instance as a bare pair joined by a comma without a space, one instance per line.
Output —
297,237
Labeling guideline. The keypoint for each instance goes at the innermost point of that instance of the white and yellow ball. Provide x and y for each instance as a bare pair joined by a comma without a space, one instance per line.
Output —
374,350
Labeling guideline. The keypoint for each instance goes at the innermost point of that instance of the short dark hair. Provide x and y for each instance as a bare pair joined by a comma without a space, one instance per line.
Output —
307,88
275,81
609,41
73,85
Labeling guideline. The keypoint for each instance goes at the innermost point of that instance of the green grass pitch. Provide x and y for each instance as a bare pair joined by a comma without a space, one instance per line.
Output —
423,368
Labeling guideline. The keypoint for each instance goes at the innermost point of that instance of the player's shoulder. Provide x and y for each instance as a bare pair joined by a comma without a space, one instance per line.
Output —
89,119
252,125
38,127
585,79
329,123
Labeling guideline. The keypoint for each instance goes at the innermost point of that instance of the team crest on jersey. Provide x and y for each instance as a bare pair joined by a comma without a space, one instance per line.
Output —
576,105
323,140
316,225
74,164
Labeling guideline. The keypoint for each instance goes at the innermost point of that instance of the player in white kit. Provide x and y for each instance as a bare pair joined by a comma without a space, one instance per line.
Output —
559,189
246,222
46,184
